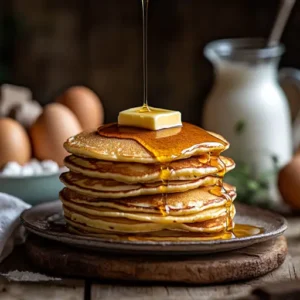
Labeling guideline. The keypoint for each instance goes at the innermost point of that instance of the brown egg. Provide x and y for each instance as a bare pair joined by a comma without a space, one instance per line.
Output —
14,142
51,130
85,104
289,183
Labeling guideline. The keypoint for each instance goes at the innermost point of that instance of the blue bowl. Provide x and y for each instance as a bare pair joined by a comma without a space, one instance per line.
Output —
33,189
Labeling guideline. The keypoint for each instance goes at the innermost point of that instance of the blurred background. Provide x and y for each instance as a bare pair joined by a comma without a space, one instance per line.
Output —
51,45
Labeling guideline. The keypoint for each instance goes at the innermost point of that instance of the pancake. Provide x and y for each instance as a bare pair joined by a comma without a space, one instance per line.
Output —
159,236
185,169
110,213
91,144
176,204
106,188
125,225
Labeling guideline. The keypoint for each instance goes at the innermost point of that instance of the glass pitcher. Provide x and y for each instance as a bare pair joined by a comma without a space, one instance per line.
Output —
247,105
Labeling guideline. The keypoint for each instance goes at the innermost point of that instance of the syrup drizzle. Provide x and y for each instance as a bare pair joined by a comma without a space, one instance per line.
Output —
145,107
164,176
239,231
219,191
168,144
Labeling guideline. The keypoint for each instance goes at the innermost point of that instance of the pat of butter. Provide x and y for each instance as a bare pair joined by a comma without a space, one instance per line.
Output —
153,119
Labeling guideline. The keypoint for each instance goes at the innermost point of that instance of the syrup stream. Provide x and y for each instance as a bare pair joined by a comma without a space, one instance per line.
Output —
145,107
164,177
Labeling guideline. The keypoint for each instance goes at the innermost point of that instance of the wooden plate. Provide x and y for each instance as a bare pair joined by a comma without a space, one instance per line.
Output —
46,220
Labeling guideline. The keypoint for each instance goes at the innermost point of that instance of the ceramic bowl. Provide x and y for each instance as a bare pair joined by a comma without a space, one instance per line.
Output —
32,189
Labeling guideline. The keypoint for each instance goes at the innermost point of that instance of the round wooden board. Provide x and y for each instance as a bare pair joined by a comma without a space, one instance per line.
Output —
246,263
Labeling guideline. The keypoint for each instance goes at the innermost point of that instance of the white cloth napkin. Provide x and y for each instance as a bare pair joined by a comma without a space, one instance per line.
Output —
11,231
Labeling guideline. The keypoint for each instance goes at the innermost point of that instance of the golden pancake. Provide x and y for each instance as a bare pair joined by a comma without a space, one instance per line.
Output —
185,169
171,143
91,144
175,204
210,228
143,217
125,225
106,188
160,236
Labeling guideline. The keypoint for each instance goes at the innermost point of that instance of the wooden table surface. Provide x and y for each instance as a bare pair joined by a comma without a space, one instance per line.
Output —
16,283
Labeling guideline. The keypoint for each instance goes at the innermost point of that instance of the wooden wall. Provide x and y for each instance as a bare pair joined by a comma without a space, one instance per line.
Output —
98,43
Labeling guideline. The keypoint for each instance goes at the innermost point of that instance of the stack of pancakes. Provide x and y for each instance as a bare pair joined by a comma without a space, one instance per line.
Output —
117,188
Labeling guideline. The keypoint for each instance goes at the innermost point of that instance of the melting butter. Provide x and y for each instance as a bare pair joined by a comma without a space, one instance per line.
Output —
150,118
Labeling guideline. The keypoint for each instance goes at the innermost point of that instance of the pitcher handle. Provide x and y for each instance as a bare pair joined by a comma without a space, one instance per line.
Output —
289,79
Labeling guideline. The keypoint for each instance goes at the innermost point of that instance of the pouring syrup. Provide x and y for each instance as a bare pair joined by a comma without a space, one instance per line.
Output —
145,107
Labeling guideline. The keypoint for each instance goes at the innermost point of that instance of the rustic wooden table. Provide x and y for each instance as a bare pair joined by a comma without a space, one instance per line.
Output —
16,283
